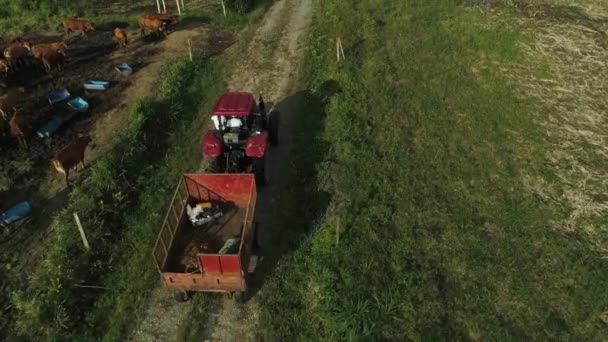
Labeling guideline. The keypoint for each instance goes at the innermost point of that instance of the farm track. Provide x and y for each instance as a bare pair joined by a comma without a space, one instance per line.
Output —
270,66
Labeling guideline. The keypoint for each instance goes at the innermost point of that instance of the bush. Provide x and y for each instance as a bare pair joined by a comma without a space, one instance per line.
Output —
54,304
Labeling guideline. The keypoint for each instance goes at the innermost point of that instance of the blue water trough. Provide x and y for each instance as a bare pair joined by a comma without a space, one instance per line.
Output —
96,85
59,95
16,213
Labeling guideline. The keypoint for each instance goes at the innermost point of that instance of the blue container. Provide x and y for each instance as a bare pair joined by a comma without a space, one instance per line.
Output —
124,69
59,96
49,128
15,213
96,85
78,104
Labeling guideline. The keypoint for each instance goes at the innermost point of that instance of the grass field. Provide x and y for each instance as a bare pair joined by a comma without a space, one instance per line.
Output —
79,295
434,143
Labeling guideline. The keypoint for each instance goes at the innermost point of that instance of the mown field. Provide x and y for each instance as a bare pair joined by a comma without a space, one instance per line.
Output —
97,295
462,149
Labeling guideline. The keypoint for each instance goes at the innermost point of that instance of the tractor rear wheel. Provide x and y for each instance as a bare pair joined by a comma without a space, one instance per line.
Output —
259,170
273,127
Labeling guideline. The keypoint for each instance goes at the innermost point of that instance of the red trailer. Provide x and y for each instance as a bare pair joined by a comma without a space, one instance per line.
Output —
191,258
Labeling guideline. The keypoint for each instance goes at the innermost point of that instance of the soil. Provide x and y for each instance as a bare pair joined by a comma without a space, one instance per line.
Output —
94,57
271,67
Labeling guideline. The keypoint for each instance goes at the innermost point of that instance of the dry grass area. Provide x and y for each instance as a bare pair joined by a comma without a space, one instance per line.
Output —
564,70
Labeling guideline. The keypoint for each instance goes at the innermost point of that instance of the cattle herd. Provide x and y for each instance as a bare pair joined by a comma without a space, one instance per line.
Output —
22,55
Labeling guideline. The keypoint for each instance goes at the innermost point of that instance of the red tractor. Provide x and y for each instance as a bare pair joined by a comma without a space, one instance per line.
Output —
243,131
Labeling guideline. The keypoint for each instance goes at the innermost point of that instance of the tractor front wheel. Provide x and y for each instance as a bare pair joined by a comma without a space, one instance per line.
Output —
259,170
216,165
273,128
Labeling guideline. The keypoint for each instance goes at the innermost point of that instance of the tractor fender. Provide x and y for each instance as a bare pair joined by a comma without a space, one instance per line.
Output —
213,146
256,145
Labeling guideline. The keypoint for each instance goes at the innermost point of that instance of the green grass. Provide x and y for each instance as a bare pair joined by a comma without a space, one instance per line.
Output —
423,154
17,21
121,205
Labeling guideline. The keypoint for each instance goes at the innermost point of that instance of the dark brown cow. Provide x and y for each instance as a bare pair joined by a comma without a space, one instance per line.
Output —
19,129
53,60
16,54
9,101
153,25
40,50
121,37
77,25
71,155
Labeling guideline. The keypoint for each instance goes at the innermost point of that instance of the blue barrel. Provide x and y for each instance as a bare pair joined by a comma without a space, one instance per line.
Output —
49,128
16,213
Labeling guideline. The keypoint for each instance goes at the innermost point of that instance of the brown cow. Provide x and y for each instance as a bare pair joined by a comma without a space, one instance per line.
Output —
3,66
121,37
77,25
40,50
153,25
19,128
167,18
53,60
9,101
71,155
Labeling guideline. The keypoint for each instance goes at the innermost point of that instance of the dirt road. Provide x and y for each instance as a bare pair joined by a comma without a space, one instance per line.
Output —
269,66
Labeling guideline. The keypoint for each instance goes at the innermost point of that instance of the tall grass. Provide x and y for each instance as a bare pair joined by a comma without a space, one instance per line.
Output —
120,191
426,148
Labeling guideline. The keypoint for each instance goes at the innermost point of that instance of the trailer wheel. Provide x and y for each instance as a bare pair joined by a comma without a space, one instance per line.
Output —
239,297
273,128
258,238
259,170
182,296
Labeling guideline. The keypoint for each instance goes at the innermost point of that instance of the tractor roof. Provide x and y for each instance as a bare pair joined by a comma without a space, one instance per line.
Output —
234,104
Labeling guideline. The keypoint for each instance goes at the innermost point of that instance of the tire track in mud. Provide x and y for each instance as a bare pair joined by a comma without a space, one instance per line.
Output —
283,31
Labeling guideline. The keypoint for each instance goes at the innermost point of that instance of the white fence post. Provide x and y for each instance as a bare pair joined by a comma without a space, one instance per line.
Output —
82,235
179,11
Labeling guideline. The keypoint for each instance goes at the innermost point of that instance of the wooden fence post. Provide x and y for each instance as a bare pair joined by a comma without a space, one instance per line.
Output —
179,11
339,50
82,234
223,7
190,49
338,231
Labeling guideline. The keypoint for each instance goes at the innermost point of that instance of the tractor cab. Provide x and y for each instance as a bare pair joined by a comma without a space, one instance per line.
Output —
242,131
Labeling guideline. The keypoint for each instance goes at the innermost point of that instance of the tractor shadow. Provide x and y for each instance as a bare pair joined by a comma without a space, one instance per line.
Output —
289,207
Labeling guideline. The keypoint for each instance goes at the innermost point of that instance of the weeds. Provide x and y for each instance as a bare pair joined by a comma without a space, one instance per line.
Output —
429,148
